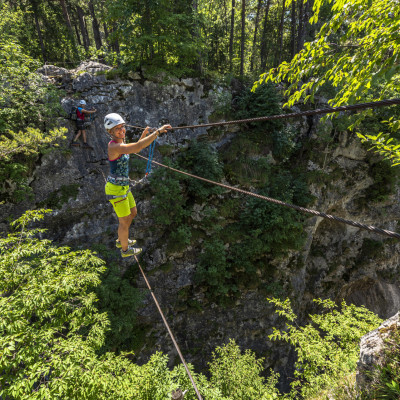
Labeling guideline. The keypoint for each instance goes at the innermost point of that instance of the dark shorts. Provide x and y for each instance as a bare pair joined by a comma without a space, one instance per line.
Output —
80,125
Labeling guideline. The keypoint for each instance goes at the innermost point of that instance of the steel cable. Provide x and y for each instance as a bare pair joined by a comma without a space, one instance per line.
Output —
170,332
282,203
361,106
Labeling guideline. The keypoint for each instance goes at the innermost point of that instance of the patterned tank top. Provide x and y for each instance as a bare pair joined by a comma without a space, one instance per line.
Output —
119,170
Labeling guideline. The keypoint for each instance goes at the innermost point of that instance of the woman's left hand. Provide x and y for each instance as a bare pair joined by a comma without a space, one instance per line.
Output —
164,128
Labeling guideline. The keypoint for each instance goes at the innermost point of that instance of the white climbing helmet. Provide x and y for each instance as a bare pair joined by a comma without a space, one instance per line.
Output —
111,120
82,102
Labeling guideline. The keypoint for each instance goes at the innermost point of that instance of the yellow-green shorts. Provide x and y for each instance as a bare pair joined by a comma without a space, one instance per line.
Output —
122,206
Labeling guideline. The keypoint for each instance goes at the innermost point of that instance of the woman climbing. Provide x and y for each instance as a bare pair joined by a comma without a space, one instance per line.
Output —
117,186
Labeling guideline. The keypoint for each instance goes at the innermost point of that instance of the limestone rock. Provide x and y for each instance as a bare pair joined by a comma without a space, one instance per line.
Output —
372,349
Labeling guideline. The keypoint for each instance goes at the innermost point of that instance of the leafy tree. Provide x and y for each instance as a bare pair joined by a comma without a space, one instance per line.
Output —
327,348
356,52
27,107
237,375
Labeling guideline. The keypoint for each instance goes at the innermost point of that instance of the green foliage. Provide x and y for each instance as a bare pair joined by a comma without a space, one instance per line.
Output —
214,271
27,103
51,332
273,228
120,300
284,143
327,348
237,375
26,100
48,323
383,144
384,177
356,52
261,230
169,201
262,101
159,33
179,238
202,160
52,335
61,196
364,52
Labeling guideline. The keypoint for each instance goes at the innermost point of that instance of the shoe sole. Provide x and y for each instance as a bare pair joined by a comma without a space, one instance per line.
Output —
118,245
131,255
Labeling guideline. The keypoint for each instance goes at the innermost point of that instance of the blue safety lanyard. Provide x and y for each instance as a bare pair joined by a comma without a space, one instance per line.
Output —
150,159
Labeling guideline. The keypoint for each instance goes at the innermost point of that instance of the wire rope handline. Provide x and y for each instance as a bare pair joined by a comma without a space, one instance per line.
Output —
282,203
170,332
360,106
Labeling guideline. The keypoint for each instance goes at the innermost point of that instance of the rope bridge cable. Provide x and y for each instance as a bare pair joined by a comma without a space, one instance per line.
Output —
360,106
170,332
282,203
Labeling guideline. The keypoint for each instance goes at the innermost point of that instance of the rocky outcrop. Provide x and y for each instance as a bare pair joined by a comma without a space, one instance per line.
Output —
372,350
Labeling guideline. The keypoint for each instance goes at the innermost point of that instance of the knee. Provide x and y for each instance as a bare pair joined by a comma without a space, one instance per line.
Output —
125,222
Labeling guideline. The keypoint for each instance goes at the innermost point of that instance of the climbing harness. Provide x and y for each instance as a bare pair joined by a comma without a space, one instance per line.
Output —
169,331
123,196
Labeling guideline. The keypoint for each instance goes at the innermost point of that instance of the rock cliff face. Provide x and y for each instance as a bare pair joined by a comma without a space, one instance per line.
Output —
338,261
372,350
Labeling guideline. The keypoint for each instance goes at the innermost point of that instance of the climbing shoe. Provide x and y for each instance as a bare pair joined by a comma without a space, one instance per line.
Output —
87,146
131,251
75,144
131,242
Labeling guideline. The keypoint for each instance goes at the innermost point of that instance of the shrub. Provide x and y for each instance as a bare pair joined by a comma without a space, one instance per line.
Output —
213,270
263,101
327,348
169,201
202,160
237,375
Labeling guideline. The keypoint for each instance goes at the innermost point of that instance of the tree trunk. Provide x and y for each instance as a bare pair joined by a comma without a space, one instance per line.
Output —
78,37
279,41
302,25
231,36
115,42
253,52
66,18
35,13
148,29
242,39
293,29
82,25
95,26
263,52
196,33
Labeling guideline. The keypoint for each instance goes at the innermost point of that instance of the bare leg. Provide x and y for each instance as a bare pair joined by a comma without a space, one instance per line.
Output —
123,228
84,136
77,136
